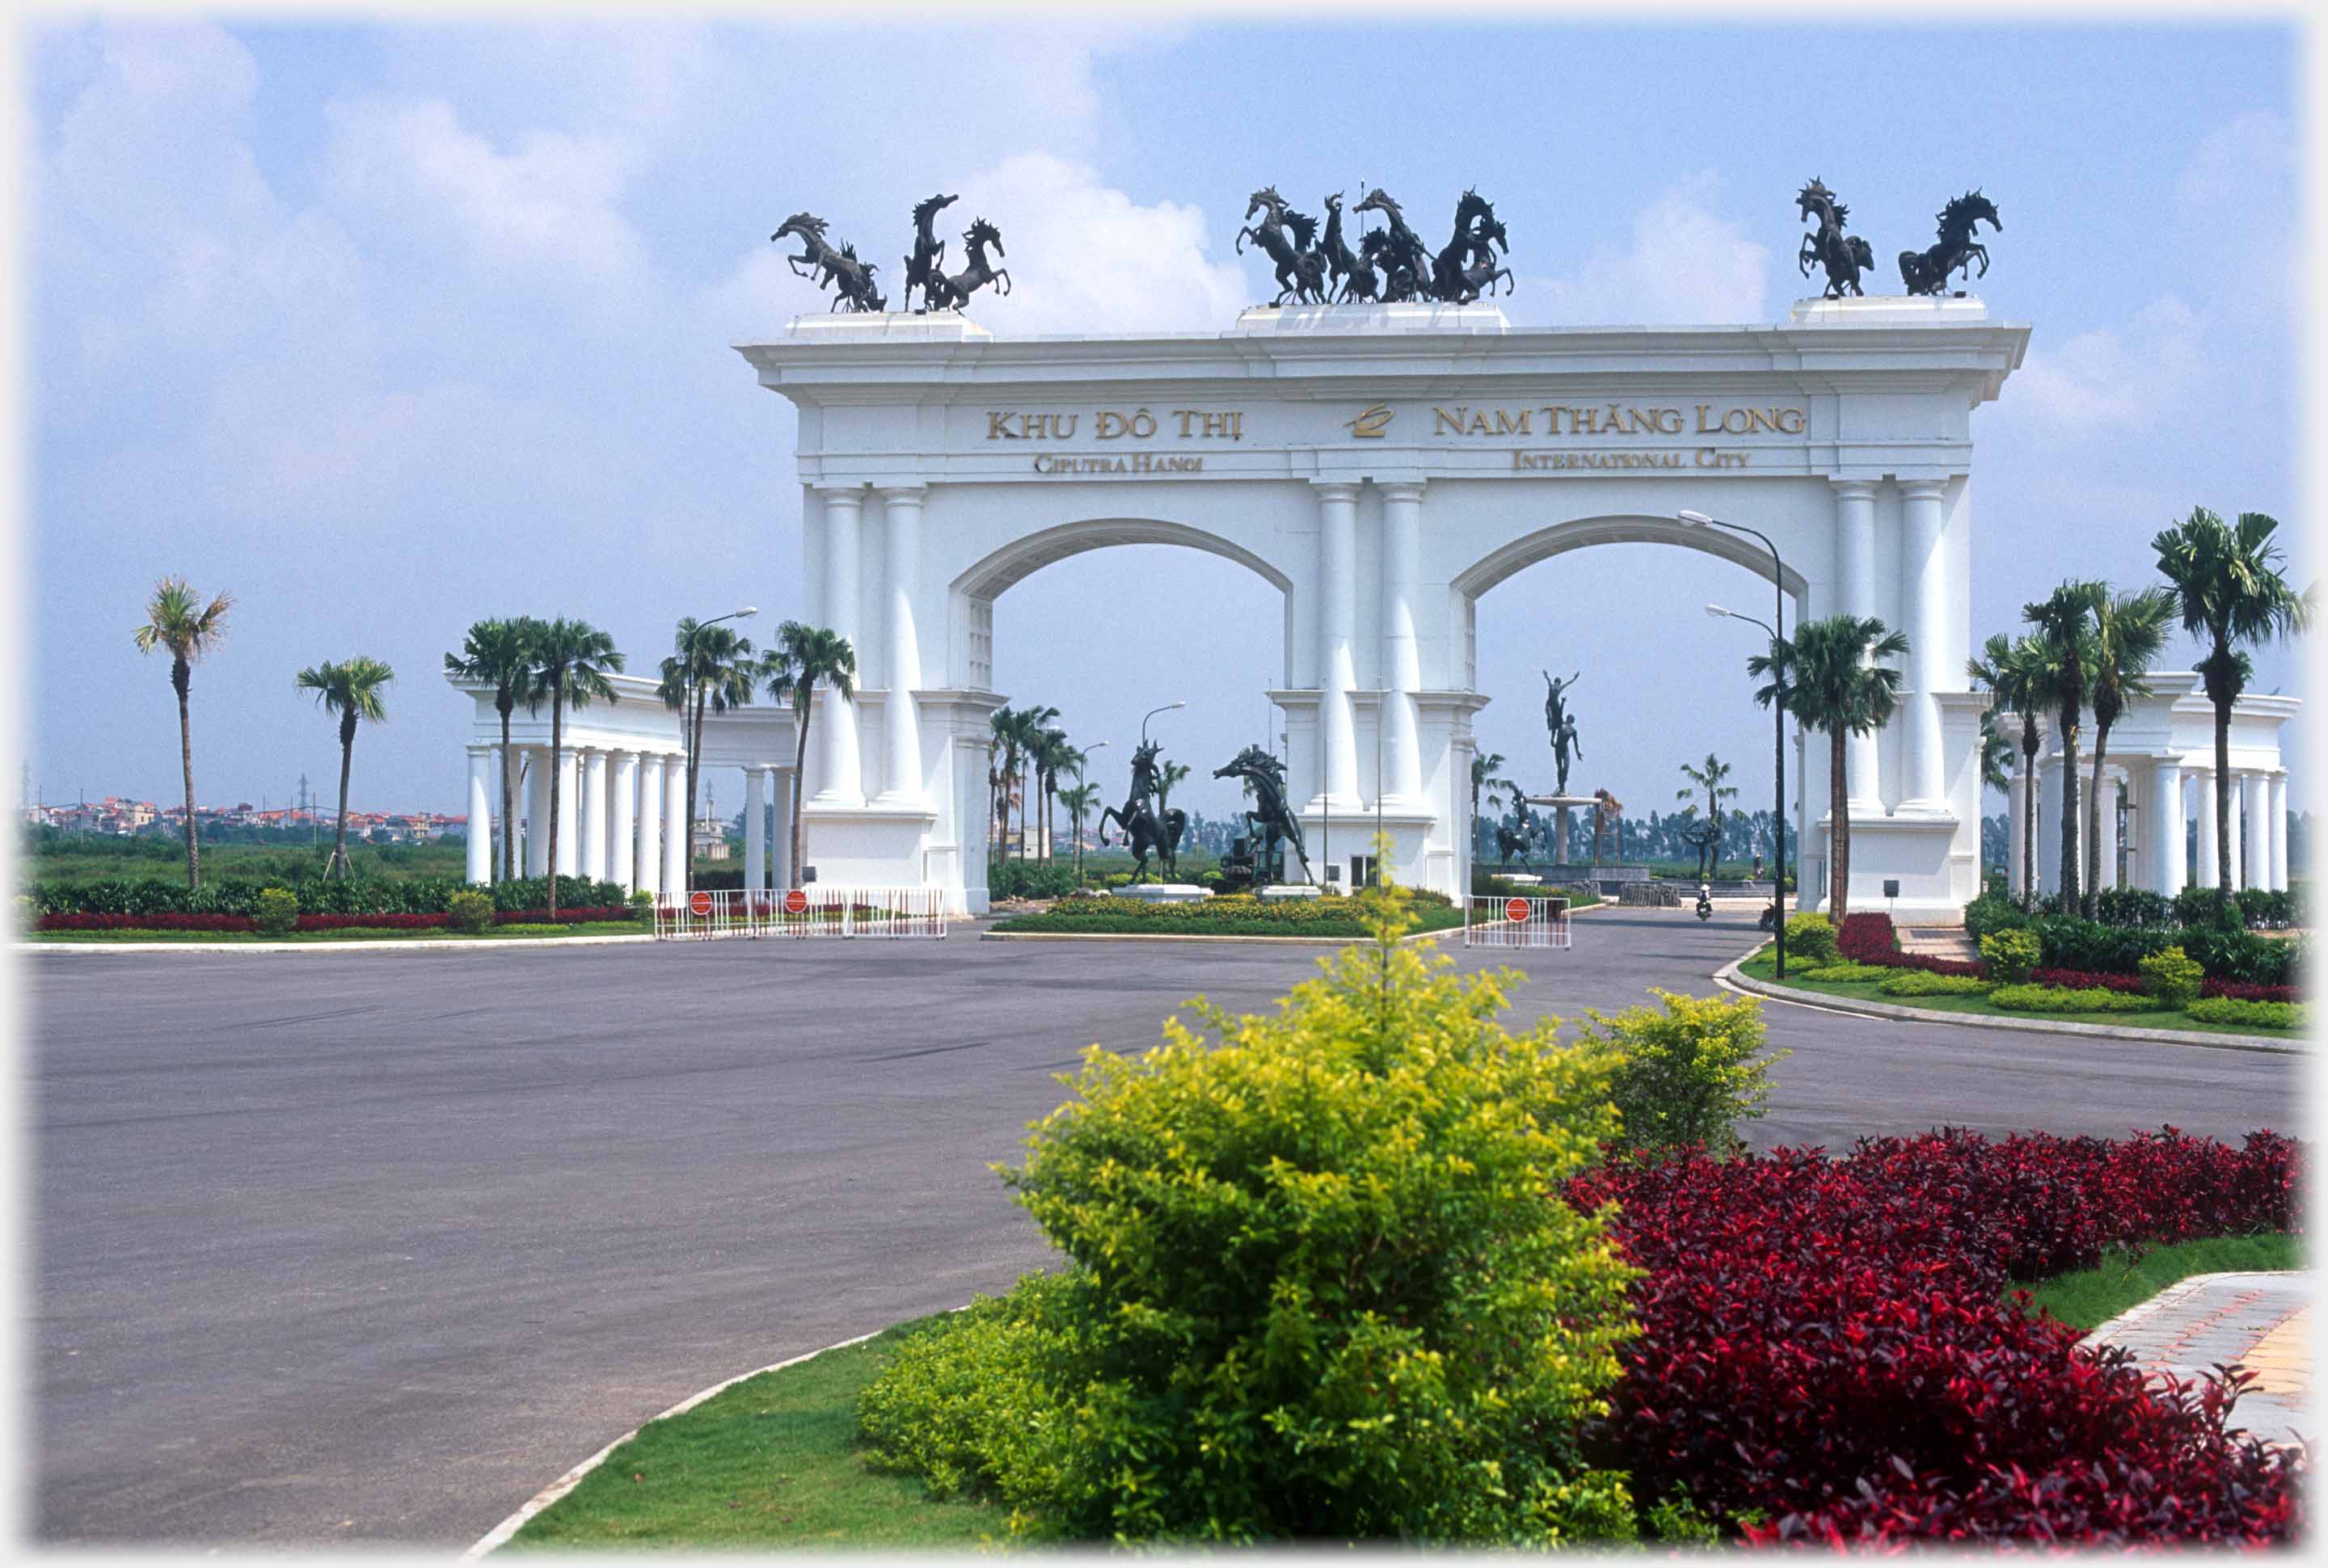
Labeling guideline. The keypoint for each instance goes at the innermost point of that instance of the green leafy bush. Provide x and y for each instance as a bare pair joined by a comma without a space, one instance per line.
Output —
2172,977
472,910
1320,1286
2054,999
1923,983
533,928
276,913
1688,1071
27,911
1029,879
1992,913
1847,972
2012,954
1811,938
642,905
2261,1014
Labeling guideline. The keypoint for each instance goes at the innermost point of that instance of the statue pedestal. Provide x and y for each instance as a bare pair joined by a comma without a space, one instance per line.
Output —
1292,890
841,326
1559,804
1161,892
1408,316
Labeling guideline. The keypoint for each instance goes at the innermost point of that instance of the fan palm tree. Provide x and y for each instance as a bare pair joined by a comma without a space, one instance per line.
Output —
999,725
1079,801
713,668
1052,753
2064,622
804,658
2229,589
1026,727
1483,781
1830,677
177,619
351,688
2020,675
1709,779
571,661
500,654
2129,632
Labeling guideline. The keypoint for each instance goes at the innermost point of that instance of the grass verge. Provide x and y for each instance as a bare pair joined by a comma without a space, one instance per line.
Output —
1202,920
1762,967
346,934
2092,1296
772,1462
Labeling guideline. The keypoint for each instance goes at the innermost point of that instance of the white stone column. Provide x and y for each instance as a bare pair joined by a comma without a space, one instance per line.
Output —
782,798
1855,557
2049,826
2255,862
537,810
2210,871
755,831
2276,811
1401,655
901,725
569,856
1338,569
2165,803
480,814
650,823
623,861
2017,829
1925,595
594,813
2103,827
677,852
836,721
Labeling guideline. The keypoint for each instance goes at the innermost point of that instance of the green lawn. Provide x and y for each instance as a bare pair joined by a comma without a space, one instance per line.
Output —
772,1463
2092,1296
1760,967
349,934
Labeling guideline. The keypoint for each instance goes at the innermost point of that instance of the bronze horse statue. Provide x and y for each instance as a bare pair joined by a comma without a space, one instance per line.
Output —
1144,829
1519,837
1300,270
1467,264
1927,271
1352,275
1405,259
928,261
850,279
944,293
1271,820
1844,257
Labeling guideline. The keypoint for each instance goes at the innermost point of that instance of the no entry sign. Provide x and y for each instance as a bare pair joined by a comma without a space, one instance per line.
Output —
699,903
1515,910
795,902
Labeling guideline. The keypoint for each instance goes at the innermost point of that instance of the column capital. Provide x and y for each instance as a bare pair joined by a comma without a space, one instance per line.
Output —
901,494
1853,489
1401,488
482,748
1923,489
850,495
1333,490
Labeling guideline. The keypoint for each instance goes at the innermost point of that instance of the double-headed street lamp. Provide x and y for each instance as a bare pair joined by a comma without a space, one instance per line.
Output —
687,737
1778,715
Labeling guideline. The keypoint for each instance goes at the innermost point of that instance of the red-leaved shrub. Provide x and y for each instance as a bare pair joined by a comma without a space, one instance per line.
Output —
2085,980
2246,990
1869,939
1826,1342
164,921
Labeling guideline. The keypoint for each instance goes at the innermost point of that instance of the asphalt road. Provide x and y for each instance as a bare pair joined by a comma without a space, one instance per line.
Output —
373,1245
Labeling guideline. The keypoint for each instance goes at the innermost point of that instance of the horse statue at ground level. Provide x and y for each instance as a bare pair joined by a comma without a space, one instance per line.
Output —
850,279
1927,271
1270,820
1144,829
1844,257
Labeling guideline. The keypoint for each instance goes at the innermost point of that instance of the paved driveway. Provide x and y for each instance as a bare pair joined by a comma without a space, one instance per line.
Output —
369,1246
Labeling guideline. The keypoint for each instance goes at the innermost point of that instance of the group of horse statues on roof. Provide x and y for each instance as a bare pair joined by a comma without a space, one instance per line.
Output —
1391,264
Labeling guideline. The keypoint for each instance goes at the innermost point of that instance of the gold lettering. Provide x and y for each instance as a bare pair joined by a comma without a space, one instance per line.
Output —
1703,428
1110,425
1790,422
1448,421
1372,422
1505,427
998,426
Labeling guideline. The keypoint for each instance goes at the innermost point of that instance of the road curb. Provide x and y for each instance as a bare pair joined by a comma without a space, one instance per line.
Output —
1728,974
362,945
500,1534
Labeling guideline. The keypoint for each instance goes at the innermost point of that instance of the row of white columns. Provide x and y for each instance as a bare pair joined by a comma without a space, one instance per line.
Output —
839,773
2259,827
1401,654
622,814
1924,600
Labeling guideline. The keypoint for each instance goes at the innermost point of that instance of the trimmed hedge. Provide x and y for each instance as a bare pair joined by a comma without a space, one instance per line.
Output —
2262,1015
1827,1355
360,895
1922,983
2053,999
385,922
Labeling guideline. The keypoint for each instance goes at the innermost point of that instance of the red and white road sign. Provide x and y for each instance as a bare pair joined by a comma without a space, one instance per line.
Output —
795,902
700,903
1515,910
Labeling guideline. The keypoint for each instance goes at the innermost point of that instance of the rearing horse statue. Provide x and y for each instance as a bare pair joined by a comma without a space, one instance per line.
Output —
944,293
1144,829
1406,260
928,260
850,279
1300,271
1927,271
1845,257
1270,820
1468,262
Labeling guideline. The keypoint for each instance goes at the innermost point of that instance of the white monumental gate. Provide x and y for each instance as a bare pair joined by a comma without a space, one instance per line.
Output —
1384,468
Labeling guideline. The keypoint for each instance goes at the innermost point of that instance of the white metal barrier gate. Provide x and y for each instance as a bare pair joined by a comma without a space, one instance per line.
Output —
1493,922
802,912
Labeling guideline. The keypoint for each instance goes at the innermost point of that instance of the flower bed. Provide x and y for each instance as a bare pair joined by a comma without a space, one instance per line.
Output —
1870,939
165,920
1826,1353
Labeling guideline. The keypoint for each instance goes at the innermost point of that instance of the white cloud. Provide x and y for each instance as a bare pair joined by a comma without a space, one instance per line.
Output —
1685,266
2126,378
2248,165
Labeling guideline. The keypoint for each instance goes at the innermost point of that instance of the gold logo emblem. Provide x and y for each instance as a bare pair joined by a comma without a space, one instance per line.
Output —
1372,423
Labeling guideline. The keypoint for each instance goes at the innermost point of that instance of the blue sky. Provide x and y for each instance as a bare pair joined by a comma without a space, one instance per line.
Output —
386,328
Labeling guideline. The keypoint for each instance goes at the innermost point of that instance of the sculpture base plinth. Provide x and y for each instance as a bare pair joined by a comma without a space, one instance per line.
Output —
1292,890
1161,892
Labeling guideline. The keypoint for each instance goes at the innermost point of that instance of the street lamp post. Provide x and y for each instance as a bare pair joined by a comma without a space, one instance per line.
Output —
1778,718
687,740
1081,759
1153,713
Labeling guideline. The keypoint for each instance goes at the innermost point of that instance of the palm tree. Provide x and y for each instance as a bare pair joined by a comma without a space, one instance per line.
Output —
804,658
2229,587
1830,677
2129,632
1709,779
1483,778
1026,738
999,725
2020,675
350,689
2065,626
1079,801
1051,753
500,654
712,668
177,619
571,661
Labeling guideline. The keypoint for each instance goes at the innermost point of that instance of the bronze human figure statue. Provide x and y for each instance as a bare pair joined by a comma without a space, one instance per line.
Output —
850,279
1844,257
1927,271
1555,709
1144,829
1707,838
1270,820
1300,270
944,293
928,261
